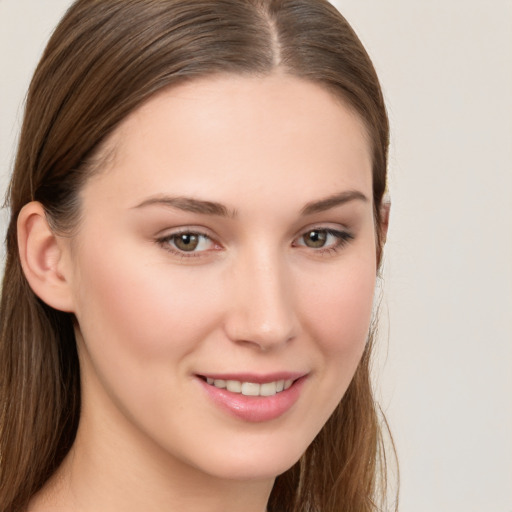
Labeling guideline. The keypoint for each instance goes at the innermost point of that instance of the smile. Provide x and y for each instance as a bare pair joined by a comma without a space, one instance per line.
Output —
251,388
252,397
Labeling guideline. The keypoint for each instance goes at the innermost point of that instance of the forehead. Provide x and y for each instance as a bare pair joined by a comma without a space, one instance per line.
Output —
251,133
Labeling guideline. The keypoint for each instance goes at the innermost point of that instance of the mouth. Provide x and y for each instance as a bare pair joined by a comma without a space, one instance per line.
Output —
254,398
248,388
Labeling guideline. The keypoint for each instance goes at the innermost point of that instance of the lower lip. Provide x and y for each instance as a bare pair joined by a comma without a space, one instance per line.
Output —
255,408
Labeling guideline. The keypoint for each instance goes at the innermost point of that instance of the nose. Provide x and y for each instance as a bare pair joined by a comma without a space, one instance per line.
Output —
261,313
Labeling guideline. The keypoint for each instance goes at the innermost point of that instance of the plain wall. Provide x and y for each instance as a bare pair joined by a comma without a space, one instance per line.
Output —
445,372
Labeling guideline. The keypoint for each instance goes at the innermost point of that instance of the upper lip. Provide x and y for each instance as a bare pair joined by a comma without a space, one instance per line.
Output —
257,378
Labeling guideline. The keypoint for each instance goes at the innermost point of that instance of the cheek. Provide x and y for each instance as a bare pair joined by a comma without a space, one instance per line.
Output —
336,309
339,312
142,311
140,330
339,316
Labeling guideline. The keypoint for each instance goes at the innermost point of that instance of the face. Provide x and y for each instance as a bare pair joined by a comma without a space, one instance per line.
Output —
229,241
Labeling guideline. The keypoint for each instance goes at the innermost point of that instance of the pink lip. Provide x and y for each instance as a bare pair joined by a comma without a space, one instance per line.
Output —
255,408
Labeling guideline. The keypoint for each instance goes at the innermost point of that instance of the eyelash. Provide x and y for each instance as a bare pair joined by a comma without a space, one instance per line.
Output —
167,240
342,239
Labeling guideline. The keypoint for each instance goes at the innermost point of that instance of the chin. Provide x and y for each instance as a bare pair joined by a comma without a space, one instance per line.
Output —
256,462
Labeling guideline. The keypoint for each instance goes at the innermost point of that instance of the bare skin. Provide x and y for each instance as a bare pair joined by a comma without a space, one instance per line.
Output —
232,231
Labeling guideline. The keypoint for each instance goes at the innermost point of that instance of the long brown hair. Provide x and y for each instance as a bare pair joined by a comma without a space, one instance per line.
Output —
105,59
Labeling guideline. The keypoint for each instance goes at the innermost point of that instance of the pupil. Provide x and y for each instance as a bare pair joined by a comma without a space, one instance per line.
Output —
316,239
187,242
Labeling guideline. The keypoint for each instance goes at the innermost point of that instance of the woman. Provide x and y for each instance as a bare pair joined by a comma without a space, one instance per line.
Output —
197,221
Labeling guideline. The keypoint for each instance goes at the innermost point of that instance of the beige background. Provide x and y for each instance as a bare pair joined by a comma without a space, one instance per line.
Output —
445,373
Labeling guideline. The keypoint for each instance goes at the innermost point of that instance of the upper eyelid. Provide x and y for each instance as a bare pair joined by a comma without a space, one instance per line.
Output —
173,234
345,234
165,241
324,226
206,232
194,230
328,229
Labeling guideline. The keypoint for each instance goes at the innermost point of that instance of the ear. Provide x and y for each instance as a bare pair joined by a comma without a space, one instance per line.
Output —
385,208
43,257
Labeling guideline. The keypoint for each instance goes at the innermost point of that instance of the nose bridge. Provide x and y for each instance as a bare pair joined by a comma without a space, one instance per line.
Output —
262,312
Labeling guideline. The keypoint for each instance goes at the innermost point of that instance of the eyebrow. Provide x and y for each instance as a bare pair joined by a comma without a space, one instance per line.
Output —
332,201
189,204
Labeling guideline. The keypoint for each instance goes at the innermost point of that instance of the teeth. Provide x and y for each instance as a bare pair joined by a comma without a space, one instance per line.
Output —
251,388
268,389
234,386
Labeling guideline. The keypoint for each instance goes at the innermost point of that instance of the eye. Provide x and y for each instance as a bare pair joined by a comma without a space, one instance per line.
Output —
316,238
324,238
187,242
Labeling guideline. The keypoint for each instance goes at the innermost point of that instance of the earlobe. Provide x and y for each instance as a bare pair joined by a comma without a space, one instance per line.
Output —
42,256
